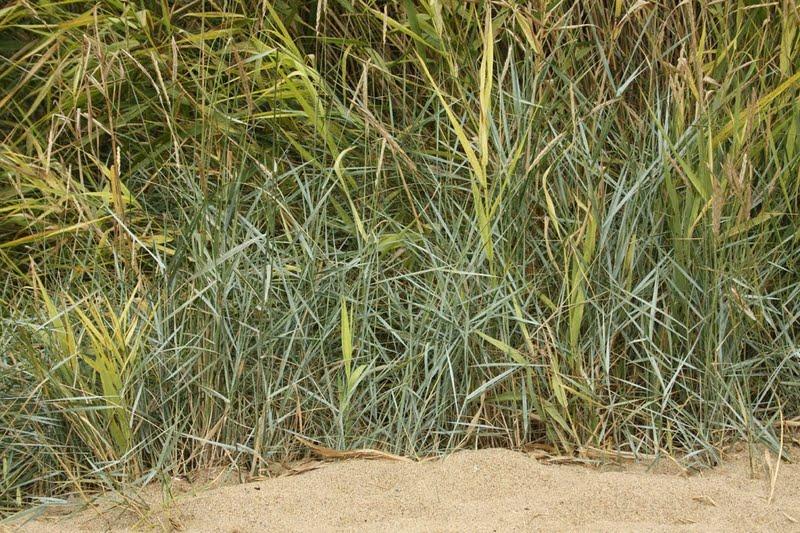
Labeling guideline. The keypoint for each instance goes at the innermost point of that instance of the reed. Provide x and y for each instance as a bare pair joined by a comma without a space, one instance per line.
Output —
409,226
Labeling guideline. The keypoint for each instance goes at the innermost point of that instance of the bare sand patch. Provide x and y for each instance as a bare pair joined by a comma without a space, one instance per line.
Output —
487,490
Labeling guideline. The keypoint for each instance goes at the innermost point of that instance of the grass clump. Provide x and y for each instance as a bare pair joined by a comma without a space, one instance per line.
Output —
408,226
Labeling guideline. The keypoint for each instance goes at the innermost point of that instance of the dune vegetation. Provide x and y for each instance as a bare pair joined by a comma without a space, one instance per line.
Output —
406,225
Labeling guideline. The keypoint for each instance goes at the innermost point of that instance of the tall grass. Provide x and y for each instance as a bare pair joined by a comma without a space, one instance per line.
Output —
412,226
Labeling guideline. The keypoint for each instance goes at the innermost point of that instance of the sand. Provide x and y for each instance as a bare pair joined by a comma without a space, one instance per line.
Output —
487,490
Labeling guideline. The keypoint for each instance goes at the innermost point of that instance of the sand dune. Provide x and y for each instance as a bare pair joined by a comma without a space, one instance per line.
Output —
488,490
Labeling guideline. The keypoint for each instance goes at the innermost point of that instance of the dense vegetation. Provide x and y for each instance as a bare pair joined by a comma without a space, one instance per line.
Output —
404,225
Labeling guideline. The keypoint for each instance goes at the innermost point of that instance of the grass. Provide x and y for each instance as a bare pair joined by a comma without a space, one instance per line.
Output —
405,226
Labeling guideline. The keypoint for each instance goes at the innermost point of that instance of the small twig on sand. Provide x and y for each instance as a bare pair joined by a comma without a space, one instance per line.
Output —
364,453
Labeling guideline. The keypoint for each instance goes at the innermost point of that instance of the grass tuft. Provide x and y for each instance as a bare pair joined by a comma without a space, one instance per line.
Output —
396,226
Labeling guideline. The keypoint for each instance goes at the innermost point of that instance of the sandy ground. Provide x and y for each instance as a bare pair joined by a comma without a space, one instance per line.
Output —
488,490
